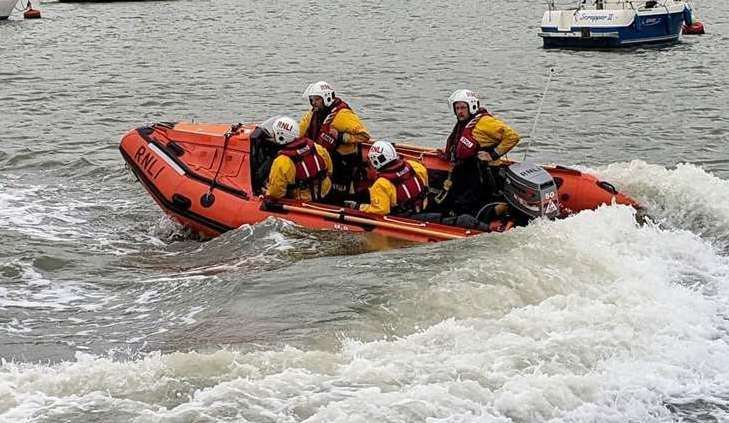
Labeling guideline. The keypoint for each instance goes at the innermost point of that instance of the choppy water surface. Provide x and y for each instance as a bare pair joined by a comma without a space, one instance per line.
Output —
110,312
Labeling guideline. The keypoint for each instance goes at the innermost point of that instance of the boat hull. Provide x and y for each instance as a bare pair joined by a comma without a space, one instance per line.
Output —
177,164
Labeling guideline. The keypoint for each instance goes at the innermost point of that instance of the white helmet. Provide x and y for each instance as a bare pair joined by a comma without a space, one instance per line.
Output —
284,130
467,96
321,89
381,154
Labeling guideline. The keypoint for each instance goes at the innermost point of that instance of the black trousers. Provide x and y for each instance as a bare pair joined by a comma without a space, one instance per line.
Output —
345,167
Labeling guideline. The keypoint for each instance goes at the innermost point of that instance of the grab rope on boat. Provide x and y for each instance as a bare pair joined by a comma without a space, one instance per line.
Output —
208,198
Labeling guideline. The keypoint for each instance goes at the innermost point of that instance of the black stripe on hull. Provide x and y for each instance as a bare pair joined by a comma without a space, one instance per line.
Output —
211,224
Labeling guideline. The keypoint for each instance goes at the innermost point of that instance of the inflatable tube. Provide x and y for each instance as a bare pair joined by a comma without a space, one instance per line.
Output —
210,184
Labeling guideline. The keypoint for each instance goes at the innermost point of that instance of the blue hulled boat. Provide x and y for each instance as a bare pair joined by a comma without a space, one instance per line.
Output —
614,23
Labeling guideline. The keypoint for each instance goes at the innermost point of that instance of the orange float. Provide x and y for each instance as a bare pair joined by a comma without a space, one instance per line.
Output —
696,28
205,177
31,13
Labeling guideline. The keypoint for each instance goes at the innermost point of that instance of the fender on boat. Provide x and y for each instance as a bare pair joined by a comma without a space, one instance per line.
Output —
696,28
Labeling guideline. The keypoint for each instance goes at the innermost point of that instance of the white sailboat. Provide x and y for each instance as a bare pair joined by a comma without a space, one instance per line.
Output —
6,8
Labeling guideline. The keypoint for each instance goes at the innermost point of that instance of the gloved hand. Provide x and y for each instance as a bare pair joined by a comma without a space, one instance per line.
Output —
485,156
351,204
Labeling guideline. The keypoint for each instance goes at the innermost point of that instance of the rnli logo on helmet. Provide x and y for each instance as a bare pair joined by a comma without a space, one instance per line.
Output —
377,149
471,94
286,126
325,87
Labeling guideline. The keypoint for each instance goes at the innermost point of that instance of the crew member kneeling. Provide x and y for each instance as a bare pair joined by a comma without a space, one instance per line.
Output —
401,185
302,168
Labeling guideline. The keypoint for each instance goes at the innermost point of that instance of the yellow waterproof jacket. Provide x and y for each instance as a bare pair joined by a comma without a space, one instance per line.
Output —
346,122
283,174
492,133
383,194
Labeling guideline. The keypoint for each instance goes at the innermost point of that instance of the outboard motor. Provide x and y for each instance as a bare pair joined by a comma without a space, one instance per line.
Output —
531,190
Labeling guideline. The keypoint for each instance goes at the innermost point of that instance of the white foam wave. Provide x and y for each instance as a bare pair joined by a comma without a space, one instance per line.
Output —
48,213
85,311
591,318
686,196
38,292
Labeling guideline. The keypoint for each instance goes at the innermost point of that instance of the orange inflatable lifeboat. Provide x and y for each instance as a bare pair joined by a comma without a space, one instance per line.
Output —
210,177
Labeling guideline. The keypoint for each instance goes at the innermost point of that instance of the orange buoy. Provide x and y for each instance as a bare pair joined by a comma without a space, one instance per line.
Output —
32,14
695,28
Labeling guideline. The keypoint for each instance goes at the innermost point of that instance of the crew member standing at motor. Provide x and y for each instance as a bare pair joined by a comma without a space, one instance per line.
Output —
332,124
478,141
400,187
301,169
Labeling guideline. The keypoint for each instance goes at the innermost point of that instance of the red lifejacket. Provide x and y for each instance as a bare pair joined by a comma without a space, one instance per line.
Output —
466,145
409,188
318,129
311,168
450,150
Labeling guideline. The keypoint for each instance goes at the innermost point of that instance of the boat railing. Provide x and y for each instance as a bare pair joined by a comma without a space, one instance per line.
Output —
554,5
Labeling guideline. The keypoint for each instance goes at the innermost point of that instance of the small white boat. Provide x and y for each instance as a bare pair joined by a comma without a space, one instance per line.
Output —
6,8
614,23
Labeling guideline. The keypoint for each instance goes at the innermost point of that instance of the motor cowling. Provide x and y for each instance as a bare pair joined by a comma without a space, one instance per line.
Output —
531,190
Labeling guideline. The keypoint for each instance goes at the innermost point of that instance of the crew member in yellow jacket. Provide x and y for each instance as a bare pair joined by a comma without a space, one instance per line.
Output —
332,124
401,185
301,169
478,140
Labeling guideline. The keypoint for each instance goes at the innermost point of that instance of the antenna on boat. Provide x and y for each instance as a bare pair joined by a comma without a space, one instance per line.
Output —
539,111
